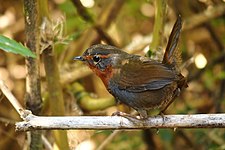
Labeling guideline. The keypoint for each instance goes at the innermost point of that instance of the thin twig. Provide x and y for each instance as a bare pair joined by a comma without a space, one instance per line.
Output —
108,139
104,20
18,108
117,122
10,97
112,135
82,11
47,144
205,16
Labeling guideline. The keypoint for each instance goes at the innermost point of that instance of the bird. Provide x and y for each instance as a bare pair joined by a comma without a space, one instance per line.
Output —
138,81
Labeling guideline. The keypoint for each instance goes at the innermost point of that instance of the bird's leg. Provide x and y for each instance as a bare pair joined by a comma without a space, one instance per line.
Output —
162,112
119,113
176,93
143,114
123,114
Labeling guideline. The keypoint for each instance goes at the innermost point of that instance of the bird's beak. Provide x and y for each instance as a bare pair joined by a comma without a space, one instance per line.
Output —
81,58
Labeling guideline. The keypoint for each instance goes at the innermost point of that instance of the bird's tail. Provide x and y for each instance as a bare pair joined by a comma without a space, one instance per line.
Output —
172,55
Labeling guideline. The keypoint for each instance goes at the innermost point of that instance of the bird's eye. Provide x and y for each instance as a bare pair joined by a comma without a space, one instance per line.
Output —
96,58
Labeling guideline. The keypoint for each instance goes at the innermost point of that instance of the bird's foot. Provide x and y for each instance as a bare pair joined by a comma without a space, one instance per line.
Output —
161,113
118,113
128,116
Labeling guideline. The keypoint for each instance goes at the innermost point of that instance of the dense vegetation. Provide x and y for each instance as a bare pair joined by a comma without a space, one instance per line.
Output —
64,29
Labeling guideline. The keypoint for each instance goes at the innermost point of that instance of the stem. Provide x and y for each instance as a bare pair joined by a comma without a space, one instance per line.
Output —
55,94
86,102
54,87
52,75
33,89
160,11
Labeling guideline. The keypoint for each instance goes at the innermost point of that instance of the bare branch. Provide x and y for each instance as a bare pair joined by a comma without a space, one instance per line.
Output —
10,97
33,122
108,139
33,86
205,16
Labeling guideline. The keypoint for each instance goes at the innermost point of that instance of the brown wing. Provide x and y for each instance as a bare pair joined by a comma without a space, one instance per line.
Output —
138,76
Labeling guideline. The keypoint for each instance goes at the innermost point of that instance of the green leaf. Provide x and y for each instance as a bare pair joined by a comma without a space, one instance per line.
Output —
12,46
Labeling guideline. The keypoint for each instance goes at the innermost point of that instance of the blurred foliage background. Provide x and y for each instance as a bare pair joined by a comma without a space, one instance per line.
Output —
75,25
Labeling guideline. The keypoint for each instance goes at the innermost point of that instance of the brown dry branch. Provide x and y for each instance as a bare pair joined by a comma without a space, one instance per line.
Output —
33,89
117,122
10,97
82,11
33,86
203,17
108,139
104,20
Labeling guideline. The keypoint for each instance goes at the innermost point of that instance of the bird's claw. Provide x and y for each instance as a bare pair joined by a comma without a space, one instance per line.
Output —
161,113
128,116
118,113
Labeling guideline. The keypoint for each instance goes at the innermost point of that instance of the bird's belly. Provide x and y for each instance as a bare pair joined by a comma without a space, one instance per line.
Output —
147,100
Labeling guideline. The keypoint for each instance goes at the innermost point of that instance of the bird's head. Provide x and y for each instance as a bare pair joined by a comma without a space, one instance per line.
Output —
104,60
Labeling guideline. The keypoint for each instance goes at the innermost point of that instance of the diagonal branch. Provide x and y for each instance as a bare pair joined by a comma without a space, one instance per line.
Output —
10,97
82,11
204,16
116,122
